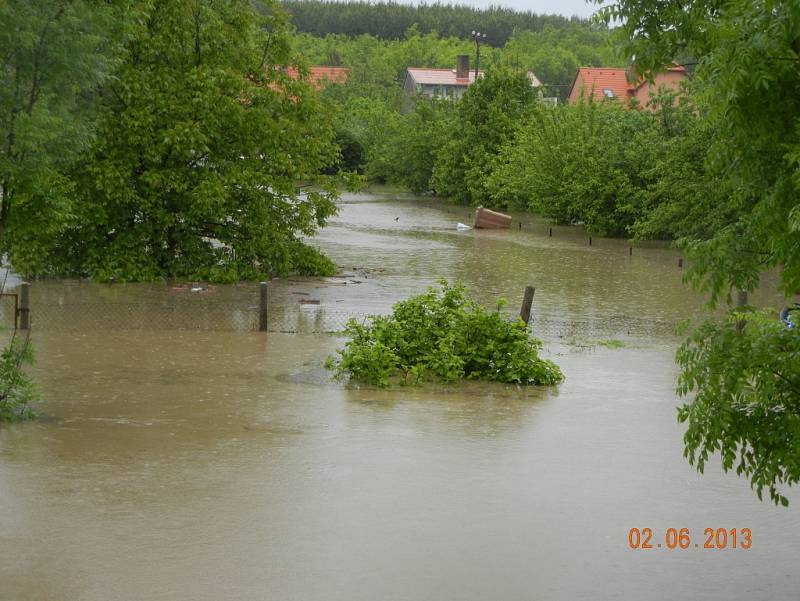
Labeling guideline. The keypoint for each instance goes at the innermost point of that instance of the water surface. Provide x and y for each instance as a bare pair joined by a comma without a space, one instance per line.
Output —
207,465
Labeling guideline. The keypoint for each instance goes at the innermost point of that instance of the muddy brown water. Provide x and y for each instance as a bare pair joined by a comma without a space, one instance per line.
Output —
225,465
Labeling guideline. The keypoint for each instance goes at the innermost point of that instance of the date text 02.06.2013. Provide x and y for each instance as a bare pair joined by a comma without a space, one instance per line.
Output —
681,538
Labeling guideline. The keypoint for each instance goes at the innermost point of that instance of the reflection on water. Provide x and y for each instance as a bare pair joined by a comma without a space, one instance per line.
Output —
224,465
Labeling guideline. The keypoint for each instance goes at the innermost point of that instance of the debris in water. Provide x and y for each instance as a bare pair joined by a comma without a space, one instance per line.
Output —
462,226
486,219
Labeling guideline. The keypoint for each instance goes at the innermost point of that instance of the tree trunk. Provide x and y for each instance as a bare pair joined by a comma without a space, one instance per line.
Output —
5,206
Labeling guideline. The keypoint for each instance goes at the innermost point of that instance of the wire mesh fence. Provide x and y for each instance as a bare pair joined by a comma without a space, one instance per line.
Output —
551,327
200,313
8,310
547,326
86,316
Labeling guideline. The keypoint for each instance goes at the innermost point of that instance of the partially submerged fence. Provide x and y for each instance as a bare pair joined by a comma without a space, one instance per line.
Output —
574,233
252,311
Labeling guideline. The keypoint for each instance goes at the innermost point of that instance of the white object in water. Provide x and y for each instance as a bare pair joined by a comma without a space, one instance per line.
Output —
462,226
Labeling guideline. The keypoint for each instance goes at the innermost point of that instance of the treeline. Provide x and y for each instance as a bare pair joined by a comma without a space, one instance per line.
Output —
621,172
390,21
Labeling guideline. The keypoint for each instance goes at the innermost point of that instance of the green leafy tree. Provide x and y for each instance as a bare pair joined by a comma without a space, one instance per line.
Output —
201,143
363,122
682,200
407,155
54,55
484,119
745,382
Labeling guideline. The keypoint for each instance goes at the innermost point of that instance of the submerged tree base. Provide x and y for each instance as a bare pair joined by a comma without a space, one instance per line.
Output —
17,390
442,335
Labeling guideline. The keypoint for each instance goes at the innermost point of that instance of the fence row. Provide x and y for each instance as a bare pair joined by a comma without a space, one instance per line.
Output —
571,232
205,314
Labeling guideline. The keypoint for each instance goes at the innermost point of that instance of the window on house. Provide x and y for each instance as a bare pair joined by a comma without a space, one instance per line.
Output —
608,92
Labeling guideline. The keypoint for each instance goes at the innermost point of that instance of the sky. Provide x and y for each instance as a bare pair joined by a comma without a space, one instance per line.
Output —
567,8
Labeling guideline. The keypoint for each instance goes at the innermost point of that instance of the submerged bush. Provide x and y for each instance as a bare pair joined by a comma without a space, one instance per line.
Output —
16,388
442,335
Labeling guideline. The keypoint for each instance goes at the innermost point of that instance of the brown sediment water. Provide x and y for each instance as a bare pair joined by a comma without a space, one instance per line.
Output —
226,465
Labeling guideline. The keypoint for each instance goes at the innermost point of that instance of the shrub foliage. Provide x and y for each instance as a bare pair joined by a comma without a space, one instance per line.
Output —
442,335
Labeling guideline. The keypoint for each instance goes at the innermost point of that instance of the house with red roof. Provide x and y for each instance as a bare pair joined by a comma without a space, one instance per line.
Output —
601,83
446,83
441,83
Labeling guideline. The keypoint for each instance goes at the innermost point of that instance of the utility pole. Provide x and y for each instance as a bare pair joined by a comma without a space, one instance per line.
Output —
478,36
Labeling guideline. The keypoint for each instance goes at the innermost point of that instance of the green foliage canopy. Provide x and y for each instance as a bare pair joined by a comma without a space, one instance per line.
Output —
201,143
54,55
746,383
407,148
378,63
484,118
601,164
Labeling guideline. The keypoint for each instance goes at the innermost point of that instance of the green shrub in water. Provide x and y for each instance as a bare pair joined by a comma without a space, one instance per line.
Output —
16,388
442,335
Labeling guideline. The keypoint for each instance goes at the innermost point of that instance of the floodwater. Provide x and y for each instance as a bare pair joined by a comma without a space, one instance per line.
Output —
225,465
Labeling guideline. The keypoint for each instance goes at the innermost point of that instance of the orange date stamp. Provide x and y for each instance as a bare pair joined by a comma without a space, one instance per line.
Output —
681,538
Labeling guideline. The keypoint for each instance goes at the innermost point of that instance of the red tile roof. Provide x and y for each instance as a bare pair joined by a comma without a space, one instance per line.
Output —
319,77
595,80
441,77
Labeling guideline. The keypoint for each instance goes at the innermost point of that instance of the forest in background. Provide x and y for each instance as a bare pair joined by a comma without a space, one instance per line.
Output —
379,41
391,21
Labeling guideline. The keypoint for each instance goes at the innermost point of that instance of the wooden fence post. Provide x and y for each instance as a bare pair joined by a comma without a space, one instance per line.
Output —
263,307
24,310
527,301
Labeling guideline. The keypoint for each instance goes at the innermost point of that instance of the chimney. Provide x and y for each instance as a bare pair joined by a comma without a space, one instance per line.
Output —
462,66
